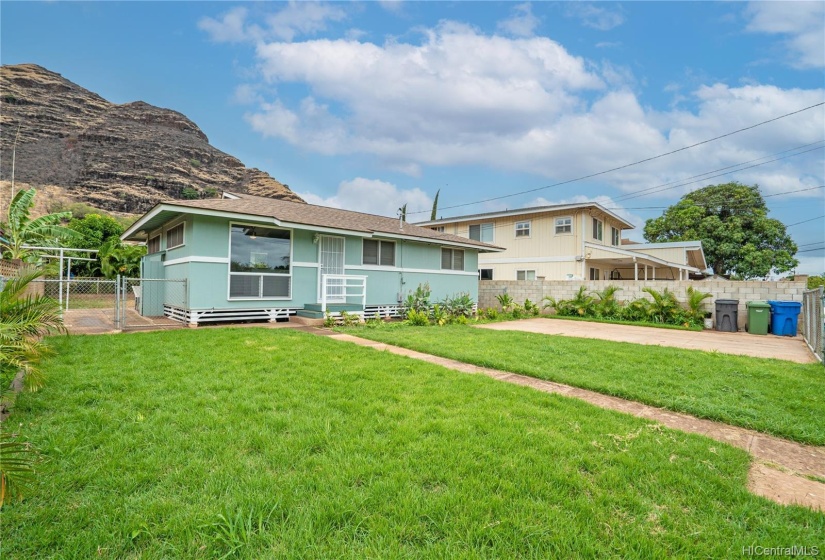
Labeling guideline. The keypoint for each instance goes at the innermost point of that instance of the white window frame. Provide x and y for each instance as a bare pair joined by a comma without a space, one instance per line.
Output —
261,283
157,236
598,225
595,272
526,274
520,229
439,229
490,225
380,242
563,225
453,251
166,231
615,236
492,275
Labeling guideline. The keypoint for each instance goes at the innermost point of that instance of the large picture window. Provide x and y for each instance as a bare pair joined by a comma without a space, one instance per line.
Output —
377,252
259,262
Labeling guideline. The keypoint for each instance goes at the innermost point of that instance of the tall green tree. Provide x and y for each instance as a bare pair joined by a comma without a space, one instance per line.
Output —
19,229
95,231
435,206
731,220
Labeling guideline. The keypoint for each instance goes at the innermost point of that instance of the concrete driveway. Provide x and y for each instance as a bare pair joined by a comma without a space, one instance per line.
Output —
744,344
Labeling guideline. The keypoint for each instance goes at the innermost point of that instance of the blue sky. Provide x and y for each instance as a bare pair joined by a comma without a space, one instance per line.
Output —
370,105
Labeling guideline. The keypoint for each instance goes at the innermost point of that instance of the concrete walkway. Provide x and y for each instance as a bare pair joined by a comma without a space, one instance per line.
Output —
788,348
781,467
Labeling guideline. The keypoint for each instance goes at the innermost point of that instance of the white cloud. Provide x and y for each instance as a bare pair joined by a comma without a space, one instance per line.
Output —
373,196
595,17
522,23
303,18
608,44
460,97
296,18
230,28
802,22
394,6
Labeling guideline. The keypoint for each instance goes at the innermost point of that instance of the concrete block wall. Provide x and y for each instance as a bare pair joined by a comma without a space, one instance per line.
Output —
537,290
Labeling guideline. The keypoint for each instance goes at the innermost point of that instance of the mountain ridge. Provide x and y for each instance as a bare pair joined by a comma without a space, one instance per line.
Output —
117,157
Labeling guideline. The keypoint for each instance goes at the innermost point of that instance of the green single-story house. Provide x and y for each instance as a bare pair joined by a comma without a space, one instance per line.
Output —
247,257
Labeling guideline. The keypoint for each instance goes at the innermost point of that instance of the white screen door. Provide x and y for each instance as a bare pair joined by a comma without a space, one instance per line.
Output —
331,261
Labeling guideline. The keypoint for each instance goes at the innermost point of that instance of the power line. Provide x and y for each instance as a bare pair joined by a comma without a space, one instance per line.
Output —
627,197
806,221
814,243
728,167
590,176
810,250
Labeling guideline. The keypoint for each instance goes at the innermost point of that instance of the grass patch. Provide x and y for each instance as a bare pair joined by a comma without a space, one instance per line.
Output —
773,396
258,443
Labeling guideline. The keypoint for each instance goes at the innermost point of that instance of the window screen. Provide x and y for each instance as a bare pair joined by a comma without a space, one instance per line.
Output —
482,232
523,229
564,225
452,259
378,252
597,229
243,285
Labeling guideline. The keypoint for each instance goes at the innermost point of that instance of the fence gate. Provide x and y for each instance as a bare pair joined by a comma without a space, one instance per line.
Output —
813,328
86,303
147,302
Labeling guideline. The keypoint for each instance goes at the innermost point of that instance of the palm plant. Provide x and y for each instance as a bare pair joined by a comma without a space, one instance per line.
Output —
24,319
606,304
20,229
117,258
664,306
505,301
582,303
694,303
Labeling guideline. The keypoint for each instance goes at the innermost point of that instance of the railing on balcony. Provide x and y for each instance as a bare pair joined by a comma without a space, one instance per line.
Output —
343,288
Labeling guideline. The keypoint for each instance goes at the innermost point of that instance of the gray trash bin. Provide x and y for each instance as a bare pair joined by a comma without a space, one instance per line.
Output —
727,315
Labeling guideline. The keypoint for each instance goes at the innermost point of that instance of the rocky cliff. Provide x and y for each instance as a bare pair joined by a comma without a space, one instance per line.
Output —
120,158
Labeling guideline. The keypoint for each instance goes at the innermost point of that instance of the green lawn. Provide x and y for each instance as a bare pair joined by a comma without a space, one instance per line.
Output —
278,444
773,396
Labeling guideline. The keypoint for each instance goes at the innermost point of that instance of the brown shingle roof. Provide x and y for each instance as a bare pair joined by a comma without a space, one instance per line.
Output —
323,216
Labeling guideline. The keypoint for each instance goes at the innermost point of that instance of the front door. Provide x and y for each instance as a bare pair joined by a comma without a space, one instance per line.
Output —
331,261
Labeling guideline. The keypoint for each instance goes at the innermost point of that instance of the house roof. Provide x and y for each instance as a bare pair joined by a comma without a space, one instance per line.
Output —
299,215
528,211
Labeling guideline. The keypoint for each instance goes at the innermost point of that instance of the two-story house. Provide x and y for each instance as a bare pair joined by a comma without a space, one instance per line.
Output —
570,241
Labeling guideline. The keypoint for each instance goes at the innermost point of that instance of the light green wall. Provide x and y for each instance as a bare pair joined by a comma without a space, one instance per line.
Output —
208,282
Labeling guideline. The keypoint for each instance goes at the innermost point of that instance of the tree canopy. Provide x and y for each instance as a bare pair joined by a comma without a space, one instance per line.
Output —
731,220
95,231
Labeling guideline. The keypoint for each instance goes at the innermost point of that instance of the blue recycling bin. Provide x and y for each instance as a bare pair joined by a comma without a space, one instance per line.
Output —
785,317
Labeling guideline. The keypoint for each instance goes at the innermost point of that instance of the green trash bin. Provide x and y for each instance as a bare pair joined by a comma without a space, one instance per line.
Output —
759,317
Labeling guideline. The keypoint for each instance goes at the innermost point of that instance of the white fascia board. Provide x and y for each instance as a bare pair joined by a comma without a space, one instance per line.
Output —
645,256
436,241
526,211
669,244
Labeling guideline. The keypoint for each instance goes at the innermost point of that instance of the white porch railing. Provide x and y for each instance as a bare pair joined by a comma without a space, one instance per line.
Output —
340,288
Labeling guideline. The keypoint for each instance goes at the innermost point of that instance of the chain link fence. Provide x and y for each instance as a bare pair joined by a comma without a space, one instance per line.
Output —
813,328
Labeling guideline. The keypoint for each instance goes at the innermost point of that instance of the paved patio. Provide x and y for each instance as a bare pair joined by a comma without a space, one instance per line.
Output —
788,348
102,321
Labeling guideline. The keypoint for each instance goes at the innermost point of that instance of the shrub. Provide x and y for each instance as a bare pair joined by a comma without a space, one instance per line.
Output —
606,304
190,193
664,306
505,301
458,305
417,318
195,162
531,308
419,299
